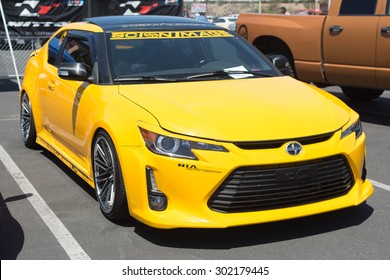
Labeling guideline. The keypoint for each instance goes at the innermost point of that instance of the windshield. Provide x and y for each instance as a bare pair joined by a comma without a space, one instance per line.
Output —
183,55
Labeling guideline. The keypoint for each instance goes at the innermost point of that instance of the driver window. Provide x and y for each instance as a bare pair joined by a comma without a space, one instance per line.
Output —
78,50
388,7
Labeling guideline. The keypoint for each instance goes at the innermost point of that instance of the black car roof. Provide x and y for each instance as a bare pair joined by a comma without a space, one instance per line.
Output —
117,23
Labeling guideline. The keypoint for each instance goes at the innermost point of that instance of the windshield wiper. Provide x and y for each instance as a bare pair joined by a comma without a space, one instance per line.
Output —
144,79
224,73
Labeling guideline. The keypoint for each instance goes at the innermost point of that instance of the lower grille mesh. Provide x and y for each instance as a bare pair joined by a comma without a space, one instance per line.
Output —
269,187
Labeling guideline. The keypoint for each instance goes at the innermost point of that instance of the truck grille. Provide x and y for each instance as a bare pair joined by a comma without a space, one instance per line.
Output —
257,188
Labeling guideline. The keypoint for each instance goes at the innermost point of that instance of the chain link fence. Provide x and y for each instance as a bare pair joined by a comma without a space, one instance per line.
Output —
22,48
225,8
217,11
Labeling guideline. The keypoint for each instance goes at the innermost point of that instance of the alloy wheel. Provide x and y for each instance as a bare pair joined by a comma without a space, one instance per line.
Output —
25,118
104,170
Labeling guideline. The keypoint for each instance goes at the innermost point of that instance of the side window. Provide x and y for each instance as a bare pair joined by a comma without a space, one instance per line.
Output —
78,50
388,7
358,7
54,48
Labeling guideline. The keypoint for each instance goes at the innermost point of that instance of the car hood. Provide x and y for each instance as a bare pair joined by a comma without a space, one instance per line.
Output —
241,109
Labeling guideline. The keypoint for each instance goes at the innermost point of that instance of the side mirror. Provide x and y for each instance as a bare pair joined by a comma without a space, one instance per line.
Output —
73,71
282,63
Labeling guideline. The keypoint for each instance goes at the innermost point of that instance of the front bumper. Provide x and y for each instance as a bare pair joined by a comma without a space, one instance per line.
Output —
189,184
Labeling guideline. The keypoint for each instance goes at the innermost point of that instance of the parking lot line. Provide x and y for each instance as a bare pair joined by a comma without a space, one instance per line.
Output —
64,237
380,185
10,119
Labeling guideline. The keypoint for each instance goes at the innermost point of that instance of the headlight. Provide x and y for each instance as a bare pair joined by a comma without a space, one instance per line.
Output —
355,127
175,147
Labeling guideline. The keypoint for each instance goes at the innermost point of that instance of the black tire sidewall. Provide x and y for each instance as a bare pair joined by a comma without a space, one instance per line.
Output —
120,209
361,94
30,142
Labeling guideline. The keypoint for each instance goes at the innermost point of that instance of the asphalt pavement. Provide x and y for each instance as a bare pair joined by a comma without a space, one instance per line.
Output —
48,213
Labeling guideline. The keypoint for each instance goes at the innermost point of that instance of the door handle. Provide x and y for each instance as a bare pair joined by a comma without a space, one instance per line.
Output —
336,28
385,30
51,86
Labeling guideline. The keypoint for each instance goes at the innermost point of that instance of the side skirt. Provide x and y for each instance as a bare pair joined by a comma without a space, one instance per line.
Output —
66,161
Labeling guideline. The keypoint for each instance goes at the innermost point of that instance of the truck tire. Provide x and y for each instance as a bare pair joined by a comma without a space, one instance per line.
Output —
361,94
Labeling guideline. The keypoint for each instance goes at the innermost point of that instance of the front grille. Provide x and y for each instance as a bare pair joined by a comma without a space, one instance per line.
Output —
273,144
257,188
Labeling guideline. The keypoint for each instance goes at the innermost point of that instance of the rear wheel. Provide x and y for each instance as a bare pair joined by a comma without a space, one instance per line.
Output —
109,185
361,94
27,125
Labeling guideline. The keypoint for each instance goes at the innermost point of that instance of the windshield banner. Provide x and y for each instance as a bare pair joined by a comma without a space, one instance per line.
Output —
134,35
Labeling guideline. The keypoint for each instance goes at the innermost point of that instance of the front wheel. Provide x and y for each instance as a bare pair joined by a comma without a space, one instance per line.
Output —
27,125
361,94
108,179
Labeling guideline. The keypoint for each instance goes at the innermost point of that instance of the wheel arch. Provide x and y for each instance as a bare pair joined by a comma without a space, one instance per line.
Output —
106,128
93,139
271,44
274,45
35,102
119,209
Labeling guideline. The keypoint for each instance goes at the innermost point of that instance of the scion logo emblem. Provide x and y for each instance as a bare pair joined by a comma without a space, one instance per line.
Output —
294,148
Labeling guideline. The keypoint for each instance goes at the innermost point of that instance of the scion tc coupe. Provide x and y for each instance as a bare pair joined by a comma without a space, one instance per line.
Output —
180,123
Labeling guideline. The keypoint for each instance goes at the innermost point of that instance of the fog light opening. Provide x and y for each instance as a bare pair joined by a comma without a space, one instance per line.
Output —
157,200
157,203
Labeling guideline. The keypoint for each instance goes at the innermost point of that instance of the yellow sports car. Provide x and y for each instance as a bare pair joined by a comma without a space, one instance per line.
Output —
180,123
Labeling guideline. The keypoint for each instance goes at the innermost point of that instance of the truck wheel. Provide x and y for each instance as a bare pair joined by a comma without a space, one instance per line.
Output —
361,94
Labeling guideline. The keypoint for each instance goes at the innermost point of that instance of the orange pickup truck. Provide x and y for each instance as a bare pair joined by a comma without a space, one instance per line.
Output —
348,47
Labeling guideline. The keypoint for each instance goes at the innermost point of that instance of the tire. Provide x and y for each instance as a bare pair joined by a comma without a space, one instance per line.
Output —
27,124
361,94
108,179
